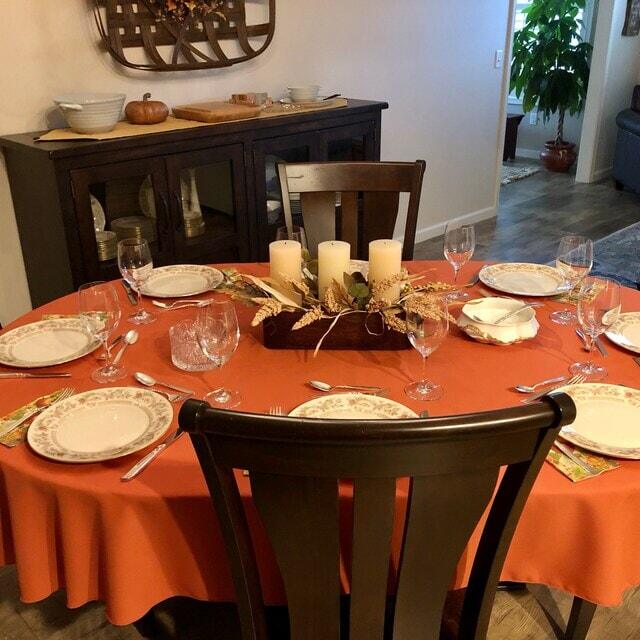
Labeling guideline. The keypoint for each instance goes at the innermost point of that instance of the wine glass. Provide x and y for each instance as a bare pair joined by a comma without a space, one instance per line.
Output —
459,245
574,260
218,335
598,309
427,326
100,308
297,234
136,266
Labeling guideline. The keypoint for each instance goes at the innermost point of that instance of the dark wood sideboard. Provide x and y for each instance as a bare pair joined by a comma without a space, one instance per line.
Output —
203,195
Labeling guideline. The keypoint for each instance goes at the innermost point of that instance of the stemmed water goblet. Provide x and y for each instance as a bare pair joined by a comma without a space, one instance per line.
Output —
598,309
574,261
427,327
136,266
459,246
218,334
100,308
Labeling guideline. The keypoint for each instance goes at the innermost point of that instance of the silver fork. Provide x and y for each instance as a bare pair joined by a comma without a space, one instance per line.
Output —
276,411
578,379
67,392
180,304
171,397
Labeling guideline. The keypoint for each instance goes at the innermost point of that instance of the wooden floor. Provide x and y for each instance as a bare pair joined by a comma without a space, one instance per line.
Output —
534,213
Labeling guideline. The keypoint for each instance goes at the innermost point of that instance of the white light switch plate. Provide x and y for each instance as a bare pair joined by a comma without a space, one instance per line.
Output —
498,59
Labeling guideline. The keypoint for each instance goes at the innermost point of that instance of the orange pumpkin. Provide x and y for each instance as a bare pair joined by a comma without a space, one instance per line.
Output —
146,111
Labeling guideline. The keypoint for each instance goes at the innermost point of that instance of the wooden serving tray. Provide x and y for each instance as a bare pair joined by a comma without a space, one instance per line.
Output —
349,333
216,111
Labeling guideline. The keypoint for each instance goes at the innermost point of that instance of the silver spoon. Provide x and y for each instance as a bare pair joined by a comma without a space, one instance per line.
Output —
131,337
148,381
326,388
523,388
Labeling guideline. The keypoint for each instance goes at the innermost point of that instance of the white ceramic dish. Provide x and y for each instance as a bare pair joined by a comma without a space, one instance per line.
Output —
91,112
102,424
626,331
478,318
46,343
99,219
304,93
523,279
607,420
181,281
352,406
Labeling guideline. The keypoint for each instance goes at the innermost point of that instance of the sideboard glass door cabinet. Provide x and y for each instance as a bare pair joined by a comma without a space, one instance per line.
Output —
204,195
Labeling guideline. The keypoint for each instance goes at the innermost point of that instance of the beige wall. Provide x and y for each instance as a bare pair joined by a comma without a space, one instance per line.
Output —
614,73
431,60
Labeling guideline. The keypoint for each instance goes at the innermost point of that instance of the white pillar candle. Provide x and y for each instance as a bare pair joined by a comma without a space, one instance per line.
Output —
333,261
285,261
385,258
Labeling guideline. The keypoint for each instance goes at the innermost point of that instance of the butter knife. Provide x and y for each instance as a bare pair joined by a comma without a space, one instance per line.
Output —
150,457
581,463
131,294
16,374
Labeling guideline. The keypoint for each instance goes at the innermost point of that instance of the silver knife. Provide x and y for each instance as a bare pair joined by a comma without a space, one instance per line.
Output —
547,390
16,374
151,456
133,298
581,463
598,342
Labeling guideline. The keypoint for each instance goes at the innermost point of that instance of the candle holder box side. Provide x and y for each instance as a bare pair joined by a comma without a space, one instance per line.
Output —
349,333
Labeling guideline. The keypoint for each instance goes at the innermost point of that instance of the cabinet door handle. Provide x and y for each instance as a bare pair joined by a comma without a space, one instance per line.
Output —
179,222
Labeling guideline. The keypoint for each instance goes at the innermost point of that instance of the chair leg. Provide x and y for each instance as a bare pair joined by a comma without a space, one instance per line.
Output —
580,619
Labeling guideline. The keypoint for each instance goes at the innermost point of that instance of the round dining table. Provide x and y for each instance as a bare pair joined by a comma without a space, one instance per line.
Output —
134,544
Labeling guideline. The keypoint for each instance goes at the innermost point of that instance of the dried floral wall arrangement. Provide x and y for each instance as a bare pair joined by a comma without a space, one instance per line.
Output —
182,35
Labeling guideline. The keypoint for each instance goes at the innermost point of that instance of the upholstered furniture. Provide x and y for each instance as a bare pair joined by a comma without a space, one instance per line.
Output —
626,164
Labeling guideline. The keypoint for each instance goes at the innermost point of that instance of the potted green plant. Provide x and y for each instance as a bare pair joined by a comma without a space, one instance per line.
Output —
550,70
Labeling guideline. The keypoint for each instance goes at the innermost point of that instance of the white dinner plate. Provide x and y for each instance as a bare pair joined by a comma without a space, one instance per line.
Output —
182,280
102,424
626,331
523,279
352,406
99,219
607,419
46,343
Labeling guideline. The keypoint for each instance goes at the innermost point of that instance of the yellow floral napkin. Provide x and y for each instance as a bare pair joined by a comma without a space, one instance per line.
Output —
575,472
17,435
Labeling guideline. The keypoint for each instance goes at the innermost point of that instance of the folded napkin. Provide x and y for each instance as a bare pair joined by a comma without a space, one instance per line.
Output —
19,434
575,472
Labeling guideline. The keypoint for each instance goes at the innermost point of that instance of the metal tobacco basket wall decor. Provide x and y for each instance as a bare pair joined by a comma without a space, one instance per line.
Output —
170,45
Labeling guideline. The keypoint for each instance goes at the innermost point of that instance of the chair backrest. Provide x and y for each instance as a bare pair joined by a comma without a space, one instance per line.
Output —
369,200
295,465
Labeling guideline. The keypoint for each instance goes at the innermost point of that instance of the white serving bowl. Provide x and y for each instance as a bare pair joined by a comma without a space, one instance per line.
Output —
306,93
478,318
91,112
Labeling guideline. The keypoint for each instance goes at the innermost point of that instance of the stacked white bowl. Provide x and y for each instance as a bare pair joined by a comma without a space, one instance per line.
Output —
305,93
91,112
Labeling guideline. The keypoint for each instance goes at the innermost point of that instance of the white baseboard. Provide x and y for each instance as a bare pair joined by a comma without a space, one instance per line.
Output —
435,230
533,154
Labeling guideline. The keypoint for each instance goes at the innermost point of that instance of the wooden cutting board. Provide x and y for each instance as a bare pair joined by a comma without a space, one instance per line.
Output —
215,111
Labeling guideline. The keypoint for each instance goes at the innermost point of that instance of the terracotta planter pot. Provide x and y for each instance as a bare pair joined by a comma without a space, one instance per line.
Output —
558,157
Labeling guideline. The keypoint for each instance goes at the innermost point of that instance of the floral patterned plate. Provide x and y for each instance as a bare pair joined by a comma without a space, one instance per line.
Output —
626,331
608,419
182,280
102,424
523,279
46,343
352,406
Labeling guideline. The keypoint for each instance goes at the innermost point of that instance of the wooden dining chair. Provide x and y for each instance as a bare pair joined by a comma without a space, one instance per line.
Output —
295,465
369,201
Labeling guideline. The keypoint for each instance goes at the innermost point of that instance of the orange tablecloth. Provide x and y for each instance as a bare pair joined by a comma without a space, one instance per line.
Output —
135,544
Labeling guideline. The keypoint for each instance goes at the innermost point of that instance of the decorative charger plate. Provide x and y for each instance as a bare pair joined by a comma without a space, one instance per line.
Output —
626,331
182,280
102,424
523,279
311,104
352,406
607,421
46,343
